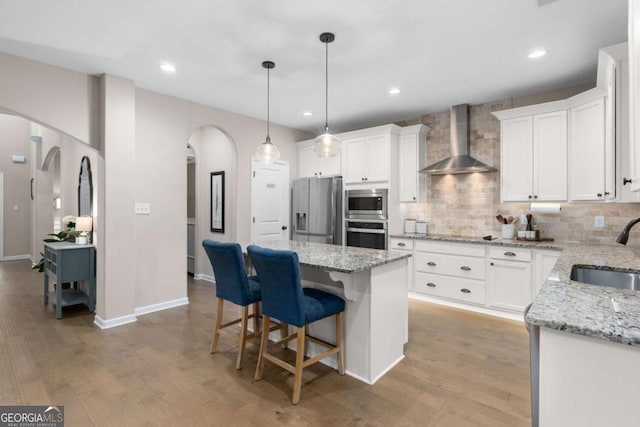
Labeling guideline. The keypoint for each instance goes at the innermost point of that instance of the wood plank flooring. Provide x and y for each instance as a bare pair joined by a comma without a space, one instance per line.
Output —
461,369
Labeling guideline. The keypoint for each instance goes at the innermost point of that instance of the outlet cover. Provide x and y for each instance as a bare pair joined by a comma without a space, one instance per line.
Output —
599,221
142,208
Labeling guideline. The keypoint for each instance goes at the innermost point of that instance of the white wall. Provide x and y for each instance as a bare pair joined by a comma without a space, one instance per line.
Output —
141,260
14,139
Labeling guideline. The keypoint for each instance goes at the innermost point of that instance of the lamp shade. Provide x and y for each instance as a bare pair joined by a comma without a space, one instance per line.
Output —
267,153
326,145
84,224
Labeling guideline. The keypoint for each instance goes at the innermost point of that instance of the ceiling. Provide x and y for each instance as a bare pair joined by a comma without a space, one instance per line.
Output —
438,52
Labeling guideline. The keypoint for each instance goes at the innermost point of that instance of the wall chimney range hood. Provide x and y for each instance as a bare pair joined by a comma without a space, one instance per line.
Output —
460,161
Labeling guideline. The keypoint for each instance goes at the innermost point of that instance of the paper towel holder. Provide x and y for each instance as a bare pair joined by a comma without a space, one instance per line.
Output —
549,208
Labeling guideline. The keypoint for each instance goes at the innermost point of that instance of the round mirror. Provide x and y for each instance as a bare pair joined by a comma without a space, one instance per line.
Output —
85,189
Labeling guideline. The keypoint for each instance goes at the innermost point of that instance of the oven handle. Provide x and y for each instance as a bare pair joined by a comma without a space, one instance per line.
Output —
366,230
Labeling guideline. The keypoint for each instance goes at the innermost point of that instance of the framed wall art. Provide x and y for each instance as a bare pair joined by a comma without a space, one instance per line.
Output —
217,202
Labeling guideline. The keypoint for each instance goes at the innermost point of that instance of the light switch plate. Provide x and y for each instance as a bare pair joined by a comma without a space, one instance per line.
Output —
599,221
142,208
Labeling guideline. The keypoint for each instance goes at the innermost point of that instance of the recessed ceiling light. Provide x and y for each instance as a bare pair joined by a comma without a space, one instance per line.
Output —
537,53
168,67
307,113
394,91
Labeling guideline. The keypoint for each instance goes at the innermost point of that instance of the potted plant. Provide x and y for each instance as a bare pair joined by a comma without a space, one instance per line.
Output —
67,235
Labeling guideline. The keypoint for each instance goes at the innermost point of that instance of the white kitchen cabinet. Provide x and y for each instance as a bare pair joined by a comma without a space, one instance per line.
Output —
509,278
412,158
589,177
367,159
634,94
545,260
450,270
405,245
534,155
310,164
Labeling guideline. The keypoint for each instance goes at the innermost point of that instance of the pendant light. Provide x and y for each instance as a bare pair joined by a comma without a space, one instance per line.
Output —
326,145
267,152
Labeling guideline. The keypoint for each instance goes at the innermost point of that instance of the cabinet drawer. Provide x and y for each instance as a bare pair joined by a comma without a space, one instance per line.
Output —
466,290
451,248
451,265
511,254
401,244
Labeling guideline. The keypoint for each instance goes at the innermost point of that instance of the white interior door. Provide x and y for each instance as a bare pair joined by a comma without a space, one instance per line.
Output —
269,202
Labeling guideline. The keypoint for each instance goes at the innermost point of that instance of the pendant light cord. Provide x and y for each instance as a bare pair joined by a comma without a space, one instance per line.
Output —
326,85
268,92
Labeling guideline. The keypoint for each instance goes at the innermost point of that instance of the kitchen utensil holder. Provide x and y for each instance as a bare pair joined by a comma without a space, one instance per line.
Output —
508,231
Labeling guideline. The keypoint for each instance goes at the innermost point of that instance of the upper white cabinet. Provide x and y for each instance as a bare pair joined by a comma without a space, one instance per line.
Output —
589,176
309,164
366,155
634,94
534,154
412,158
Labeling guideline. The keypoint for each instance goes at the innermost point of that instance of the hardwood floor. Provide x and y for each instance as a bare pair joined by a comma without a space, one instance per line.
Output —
461,369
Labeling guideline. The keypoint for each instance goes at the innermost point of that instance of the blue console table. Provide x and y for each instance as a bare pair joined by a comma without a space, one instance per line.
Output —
66,262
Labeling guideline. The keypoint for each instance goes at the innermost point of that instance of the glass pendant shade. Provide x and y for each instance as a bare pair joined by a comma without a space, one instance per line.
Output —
267,152
326,145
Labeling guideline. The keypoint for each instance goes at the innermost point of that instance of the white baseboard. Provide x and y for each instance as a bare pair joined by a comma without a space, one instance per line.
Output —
139,311
112,323
510,316
204,277
17,257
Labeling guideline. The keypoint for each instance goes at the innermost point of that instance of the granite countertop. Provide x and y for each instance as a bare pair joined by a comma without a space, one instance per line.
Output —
498,241
344,259
595,311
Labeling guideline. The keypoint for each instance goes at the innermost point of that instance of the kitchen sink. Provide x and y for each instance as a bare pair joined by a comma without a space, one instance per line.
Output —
621,278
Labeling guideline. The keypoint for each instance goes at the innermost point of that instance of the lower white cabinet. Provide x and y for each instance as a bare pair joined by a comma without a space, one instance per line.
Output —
509,278
405,245
494,279
450,270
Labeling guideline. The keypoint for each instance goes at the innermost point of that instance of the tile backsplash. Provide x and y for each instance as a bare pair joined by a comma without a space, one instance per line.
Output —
467,204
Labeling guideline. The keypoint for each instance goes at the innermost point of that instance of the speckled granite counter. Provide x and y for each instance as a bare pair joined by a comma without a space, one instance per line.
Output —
471,239
344,259
562,304
596,311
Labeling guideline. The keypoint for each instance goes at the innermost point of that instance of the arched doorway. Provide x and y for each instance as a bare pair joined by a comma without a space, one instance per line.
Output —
214,151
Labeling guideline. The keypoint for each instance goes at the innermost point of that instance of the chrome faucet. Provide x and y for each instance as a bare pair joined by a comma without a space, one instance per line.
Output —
624,236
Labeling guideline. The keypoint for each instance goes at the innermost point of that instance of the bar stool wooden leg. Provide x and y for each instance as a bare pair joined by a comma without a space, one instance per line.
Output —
216,331
297,378
340,341
284,332
243,335
256,315
264,342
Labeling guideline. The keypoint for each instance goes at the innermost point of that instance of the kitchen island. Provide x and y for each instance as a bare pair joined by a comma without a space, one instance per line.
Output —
374,286
589,343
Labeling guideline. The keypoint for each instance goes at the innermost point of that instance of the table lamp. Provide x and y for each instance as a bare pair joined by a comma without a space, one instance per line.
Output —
84,224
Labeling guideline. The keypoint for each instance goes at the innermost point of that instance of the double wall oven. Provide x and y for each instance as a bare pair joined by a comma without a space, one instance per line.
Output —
366,218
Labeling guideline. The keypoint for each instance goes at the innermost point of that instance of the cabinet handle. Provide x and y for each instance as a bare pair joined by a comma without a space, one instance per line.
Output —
431,285
465,268
509,254
606,193
284,227
414,198
599,194
431,263
535,197
402,244
529,195
465,291
491,264
626,181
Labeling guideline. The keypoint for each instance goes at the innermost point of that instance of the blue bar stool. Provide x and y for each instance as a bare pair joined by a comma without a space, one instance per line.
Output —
233,284
284,299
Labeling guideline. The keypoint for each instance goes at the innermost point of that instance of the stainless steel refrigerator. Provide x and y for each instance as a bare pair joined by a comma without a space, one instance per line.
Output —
316,211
